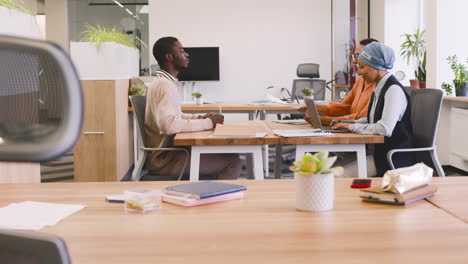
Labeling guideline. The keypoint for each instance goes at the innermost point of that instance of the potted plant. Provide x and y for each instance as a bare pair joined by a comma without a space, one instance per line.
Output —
460,82
136,89
105,53
314,181
17,20
307,93
197,96
414,49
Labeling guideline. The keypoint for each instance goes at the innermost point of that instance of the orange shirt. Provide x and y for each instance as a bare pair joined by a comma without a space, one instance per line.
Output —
355,104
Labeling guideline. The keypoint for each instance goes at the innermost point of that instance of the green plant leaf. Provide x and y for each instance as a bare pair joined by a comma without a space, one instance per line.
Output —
99,35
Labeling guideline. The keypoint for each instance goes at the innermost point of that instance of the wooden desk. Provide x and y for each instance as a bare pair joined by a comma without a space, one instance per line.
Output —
241,107
263,227
452,196
201,142
340,142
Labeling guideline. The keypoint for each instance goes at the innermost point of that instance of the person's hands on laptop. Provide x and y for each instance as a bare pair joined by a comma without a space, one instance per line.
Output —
341,125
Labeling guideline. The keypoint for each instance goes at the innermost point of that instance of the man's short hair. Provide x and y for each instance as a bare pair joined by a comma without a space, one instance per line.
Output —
162,47
366,41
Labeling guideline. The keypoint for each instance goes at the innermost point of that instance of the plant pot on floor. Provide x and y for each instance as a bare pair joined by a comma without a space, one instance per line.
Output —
414,83
314,192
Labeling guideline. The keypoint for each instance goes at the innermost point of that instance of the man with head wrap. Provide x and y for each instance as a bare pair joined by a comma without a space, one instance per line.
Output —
389,109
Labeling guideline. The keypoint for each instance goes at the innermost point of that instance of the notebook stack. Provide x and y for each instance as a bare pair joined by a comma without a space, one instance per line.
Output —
376,195
203,192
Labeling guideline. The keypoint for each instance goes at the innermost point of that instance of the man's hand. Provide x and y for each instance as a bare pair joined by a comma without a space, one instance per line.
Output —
216,119
207,115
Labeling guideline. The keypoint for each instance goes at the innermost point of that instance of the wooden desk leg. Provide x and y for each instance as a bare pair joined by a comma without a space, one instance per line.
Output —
195,163
360,150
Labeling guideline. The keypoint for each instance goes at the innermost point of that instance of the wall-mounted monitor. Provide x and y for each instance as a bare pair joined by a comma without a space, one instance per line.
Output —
203,64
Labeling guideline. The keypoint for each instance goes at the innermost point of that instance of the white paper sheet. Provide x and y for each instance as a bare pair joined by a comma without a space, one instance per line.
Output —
35,215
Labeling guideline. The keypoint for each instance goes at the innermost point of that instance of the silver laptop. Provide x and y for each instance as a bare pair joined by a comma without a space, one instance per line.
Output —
315,119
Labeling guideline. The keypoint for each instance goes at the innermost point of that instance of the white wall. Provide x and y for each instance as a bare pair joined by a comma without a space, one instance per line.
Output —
447,33
389,20
261,42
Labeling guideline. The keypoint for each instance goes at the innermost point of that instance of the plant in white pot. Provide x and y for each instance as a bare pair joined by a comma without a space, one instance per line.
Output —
307,93
314,181
17,20
197,96
105,54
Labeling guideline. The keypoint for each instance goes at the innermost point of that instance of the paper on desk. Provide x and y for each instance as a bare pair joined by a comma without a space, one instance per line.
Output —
223,130
35,215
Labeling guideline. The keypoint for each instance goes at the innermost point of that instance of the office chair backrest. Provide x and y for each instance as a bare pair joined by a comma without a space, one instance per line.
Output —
315,85
41,105
139,107
410,89
32,248
308,70
425,110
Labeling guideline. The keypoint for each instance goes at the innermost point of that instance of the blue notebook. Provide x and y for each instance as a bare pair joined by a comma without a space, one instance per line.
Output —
204,189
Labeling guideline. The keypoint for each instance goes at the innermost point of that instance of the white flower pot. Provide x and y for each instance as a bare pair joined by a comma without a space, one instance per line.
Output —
199,101
315,192
18,24
111,62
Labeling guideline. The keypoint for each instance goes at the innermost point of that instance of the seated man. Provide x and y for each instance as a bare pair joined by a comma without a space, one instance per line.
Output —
356,103
164,119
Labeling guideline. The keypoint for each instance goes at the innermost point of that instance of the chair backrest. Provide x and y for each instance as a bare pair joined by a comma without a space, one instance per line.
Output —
425,110
41,101
31,247
317,87
139,107
308,70
410,89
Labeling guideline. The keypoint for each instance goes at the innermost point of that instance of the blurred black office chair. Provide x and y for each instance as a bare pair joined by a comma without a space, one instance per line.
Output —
139,107
425,110
32,248
41,114
308,72
41,102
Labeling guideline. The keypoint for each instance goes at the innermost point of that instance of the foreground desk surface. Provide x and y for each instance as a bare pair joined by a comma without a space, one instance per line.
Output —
452,196
263,227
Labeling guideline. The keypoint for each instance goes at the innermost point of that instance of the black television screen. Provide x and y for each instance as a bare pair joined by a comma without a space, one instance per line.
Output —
203,64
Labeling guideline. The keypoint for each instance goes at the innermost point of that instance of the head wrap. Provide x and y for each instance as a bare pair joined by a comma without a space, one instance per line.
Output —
378,56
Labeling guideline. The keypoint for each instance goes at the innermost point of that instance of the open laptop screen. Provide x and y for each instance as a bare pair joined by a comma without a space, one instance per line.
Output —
313,113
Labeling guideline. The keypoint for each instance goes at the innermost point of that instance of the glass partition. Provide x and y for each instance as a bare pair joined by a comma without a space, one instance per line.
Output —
129,16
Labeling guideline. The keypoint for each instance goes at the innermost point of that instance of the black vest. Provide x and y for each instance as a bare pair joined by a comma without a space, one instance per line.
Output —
402,134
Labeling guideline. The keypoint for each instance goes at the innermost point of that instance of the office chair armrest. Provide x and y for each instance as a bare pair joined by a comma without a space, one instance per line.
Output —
172,149
393,151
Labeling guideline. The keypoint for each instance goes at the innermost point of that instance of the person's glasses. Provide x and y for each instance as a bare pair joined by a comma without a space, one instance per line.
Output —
355,56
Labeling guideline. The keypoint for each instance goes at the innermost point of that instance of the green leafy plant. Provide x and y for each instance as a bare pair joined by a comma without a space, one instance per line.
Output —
17,6
306,92
196,95
99,35
461,75
318,163
136,89
414,47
